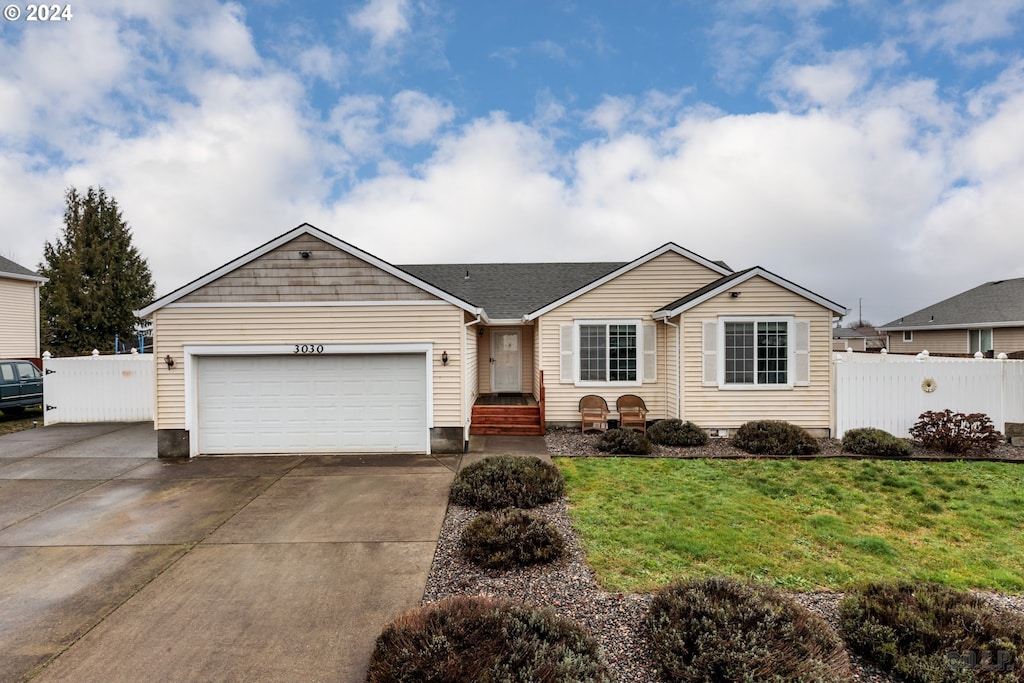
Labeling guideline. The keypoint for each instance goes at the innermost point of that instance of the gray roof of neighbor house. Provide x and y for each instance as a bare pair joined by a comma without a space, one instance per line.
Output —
510,290
9,267
993,304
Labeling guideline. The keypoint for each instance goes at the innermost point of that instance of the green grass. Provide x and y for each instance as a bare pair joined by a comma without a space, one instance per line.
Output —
799,524
16,423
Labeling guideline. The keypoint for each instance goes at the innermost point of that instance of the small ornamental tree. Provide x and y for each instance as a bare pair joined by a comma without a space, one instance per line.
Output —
97,279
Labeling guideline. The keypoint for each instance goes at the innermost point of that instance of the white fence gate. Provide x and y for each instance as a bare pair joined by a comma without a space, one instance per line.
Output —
891,395
98,389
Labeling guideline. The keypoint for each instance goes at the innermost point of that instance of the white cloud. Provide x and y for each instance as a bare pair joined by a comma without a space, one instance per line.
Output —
320,61
223,34
416,117
957,23
384,20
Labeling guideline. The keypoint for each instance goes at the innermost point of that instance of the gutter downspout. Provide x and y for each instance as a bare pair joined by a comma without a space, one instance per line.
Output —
467,407
679,363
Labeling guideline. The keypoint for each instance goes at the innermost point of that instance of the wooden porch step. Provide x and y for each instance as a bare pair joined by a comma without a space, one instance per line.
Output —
506,430
510,420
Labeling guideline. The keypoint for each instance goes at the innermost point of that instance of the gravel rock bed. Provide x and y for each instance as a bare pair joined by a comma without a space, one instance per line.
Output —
570,588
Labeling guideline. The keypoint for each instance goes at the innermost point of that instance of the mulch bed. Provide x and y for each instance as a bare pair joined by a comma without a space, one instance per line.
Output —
570,443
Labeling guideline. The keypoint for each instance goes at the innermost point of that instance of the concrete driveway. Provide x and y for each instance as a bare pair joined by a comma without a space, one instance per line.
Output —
117,566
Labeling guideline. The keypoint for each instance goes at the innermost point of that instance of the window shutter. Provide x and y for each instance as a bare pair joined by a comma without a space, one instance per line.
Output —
565,355
710,353
802,353
650,353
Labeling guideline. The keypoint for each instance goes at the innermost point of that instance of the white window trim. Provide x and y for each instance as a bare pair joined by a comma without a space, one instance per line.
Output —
637,323
790,352
908,335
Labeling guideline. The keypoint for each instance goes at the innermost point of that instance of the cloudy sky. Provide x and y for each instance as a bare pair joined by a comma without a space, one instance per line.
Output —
867,150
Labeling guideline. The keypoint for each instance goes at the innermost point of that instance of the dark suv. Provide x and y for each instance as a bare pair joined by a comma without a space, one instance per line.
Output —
21,386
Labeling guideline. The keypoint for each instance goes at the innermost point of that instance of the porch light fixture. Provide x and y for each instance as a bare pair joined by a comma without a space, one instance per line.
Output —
169,361
735,294
304,254
444,358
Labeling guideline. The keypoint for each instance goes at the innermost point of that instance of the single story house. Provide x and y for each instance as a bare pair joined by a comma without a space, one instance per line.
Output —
309,344
988,318
857,339
19,301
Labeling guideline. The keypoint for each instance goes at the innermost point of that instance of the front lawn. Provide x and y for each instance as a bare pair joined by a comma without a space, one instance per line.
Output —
799,524
16,423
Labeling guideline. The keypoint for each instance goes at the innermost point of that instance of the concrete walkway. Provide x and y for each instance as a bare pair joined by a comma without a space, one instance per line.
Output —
121,567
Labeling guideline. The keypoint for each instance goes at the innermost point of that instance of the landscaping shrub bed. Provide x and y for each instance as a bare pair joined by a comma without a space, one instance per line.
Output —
928,633
502,481
623,442
956,432
774,437
464,639
723,629
510,538
677,433
871,441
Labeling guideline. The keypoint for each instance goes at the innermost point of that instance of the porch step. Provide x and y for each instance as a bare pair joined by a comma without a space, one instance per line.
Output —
508,420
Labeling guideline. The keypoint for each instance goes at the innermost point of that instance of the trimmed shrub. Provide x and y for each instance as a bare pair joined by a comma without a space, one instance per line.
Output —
723,629
623,442
677,433
510,538
928,633
774,437
871,441
477,639
502,481
956,432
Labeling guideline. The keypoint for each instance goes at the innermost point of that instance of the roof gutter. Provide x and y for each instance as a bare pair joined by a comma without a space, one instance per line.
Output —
954,326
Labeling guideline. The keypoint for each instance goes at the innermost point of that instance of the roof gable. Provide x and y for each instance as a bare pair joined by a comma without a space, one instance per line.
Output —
377,280
625,268
10,269
989,305
723,284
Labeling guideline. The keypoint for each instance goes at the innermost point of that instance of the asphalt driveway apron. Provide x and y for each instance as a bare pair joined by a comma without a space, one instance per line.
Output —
121,567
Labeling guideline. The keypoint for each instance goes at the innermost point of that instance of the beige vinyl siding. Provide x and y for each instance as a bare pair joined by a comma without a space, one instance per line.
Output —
440,323
1004,340
329,274
935,341
484,359
1008,339
711,407
19,329
635,294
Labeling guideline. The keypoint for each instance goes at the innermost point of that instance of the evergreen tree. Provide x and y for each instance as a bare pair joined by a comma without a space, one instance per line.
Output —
97,278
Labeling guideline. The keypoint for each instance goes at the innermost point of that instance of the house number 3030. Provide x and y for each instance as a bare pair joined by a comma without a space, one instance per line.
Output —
309,348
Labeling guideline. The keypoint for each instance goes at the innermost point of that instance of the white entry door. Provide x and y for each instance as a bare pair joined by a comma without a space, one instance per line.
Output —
506,361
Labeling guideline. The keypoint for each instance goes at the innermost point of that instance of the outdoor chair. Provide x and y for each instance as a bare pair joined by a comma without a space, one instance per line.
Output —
593,413
632,413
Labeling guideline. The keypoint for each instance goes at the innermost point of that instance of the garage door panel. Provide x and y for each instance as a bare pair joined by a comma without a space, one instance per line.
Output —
300,404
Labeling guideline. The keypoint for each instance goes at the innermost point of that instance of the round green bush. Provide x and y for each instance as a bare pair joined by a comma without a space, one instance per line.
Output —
466,639
774,437
623,442
871,441
723,629
502,481
677,433
927,633
510,538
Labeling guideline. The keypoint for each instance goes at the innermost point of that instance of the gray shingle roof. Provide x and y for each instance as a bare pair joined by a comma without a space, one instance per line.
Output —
1001,301
8,267
711,286
510,290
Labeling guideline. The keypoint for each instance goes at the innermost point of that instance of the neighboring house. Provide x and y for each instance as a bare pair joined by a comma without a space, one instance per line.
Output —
988,318
308,344
859,339
19,301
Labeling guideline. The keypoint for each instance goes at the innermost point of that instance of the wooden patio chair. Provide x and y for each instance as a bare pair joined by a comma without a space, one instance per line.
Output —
593,413
632,413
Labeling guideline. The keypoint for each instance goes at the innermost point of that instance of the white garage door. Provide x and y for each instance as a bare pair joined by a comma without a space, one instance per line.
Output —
312,404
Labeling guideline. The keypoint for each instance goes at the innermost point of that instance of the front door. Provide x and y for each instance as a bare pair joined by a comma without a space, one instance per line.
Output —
506,361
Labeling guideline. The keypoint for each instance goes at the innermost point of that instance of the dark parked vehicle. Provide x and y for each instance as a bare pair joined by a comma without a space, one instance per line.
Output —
21,386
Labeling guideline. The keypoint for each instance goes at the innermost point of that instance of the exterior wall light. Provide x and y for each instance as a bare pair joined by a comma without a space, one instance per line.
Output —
444,358
169,361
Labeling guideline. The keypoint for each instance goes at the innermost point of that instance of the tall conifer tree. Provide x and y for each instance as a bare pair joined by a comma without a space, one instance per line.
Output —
97,278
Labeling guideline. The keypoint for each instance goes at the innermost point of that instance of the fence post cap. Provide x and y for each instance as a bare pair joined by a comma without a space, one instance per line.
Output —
47,355
884,350
95,353
134,351
1002,356
979,354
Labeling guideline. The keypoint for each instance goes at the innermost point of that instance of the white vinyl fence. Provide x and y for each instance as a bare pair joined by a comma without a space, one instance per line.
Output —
891,395
98,388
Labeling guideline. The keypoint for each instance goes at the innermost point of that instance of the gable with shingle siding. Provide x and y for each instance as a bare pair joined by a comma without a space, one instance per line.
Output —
328,274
